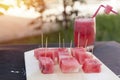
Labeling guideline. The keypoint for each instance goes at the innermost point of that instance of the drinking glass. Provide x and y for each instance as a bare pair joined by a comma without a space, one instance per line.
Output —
84,32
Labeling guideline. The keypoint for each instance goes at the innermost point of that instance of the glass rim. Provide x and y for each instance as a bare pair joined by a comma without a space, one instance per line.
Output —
84,17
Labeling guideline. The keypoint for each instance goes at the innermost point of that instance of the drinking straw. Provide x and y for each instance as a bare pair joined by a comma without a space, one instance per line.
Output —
97,11
105,8
108,6
114,12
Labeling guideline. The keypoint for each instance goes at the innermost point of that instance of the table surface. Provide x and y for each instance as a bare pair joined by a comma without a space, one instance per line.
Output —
12,66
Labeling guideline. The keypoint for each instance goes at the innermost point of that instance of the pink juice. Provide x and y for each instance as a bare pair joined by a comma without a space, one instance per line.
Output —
84,32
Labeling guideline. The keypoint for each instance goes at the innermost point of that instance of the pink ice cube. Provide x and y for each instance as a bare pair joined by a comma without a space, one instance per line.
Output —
83,56
57,50
46,65
75,51
44,52
80,54
62,55
68,65
91,66
39,52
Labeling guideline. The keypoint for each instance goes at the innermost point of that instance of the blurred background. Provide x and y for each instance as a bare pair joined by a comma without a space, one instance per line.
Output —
24,21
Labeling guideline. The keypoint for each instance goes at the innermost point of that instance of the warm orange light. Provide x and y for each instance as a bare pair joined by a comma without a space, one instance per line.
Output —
20,11
9,2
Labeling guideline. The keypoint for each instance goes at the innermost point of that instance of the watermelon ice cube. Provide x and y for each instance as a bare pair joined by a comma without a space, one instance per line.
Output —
80,54
44,52
39,52
108,9
68,65
75,51
46,65
62,55
91,66
57,50
50,53
83,56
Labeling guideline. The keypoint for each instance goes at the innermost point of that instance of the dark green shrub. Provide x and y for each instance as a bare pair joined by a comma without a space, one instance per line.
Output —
108,28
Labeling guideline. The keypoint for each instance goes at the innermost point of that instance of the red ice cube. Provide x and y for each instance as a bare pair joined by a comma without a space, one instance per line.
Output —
39,52
75,51
62,55
83,56
60,50
44,52
80,54
91,66
68,65
46,65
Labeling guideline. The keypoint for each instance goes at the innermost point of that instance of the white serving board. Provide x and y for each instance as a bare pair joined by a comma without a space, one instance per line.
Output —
33,72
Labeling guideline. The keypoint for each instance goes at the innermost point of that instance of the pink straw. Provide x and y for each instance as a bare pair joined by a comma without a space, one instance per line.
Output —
114,12
105,8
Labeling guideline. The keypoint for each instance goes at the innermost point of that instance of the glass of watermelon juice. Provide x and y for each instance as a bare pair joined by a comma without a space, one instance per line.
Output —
84,32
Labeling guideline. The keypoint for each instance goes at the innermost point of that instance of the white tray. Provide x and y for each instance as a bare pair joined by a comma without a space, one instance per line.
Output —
33,72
